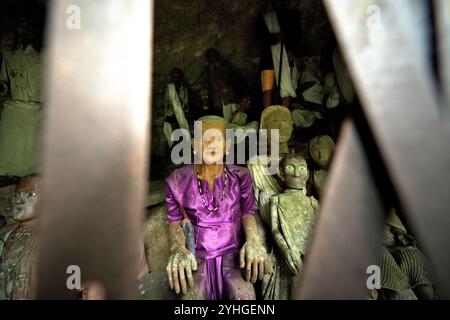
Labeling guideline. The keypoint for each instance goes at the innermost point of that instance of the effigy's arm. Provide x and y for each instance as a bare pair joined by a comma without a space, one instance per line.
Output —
181,261
176,237
315,205
253,254
276,228
239,118
291,255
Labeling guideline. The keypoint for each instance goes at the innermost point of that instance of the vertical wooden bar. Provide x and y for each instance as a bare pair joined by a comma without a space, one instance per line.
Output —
401,107
442,9
95,144
347,237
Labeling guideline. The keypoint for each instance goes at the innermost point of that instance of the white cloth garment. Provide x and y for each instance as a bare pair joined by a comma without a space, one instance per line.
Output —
167,131
176,105
232,115
265,184
289,77
179,102
303,118
343,78
311,73
235,119
22,70
332,94
19,128
20,119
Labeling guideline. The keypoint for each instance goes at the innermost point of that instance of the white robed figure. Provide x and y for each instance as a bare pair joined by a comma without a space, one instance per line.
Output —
235,116
176,107
21,75
289,75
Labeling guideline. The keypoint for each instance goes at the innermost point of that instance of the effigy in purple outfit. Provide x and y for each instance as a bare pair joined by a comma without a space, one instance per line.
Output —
218,234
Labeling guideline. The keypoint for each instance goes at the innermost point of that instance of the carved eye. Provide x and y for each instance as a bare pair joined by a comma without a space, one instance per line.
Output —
32,194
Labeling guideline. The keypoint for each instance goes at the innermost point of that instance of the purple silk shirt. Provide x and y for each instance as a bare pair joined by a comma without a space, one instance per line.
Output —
219,233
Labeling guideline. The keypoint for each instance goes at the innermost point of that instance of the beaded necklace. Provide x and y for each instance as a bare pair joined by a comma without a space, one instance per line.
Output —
200,190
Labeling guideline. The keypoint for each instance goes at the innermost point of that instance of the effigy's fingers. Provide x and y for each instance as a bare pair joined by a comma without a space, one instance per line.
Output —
176,282
254,271
248,269
189,276
261,271
242,257
182,278
169,272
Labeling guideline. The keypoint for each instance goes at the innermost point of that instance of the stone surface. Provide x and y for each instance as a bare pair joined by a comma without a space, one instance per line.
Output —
156,238
185,29
157,193
153,286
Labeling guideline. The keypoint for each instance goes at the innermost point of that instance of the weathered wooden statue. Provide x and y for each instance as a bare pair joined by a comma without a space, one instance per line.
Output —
265,179
265,171
21,76
278,118
18,242
321,149
176,104
293,215
403,265
219,79
212,230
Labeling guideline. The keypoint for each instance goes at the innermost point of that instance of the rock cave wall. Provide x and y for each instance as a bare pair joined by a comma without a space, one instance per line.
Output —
185,29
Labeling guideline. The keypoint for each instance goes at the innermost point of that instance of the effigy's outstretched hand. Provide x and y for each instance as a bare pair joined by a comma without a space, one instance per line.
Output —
179,269
255,260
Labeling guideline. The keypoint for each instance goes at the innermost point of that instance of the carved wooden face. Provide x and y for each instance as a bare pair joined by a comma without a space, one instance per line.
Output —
246,103
204,97
279,120
295,172
321,150
177,76
213,144
25,199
